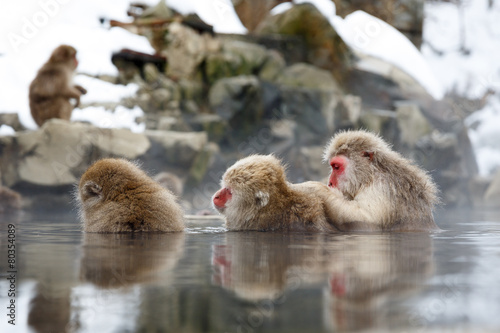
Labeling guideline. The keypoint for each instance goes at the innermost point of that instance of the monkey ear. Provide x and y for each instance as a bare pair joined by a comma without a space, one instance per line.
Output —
368,154
262,198
92,189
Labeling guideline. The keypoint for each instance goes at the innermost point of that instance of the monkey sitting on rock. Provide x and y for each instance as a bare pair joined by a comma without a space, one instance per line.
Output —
115,195
375,188
51,90
255,195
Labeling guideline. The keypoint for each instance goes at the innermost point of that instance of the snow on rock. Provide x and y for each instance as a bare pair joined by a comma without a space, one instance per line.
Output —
120,118
104,91
371,36
485,136
33,29
6,130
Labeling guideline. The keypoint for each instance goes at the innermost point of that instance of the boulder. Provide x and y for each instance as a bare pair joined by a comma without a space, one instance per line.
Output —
309,95
412,124
178,149
272,66
12,120
59,152
382,122
347,112
238,100
186,49
492,195
325,48
235,58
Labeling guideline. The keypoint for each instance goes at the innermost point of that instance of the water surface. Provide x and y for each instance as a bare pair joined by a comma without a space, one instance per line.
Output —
210,280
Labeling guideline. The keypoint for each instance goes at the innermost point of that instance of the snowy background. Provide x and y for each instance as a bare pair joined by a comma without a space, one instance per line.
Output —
32,29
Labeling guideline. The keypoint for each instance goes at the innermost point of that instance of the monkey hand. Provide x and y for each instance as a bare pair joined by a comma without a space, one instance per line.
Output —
81,89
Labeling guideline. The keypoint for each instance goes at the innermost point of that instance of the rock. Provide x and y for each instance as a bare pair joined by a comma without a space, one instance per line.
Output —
325,48
10,200
59,152
238,100
412,124
235,59
212,124
151,73
382,122
347,112
437,151
477,189
307,76
316,90
175,148
252,12
191,90
186,49
171,182
305,108
12,120
311,161
201,164
492,195
272,66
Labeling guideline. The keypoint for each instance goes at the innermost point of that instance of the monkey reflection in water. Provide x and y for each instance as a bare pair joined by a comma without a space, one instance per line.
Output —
369,274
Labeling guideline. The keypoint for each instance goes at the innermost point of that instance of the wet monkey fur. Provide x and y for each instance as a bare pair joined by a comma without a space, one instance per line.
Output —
255,195
375,188
115,195
51,90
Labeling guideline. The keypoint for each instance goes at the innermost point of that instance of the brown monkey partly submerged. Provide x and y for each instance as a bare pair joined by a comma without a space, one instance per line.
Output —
255,195
51,90
116,196
375,188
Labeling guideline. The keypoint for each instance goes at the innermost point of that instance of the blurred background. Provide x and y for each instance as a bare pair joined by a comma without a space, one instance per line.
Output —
188,87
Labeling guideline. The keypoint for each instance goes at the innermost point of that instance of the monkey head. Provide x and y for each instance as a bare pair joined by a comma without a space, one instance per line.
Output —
102,182
64,54
355,157
248,185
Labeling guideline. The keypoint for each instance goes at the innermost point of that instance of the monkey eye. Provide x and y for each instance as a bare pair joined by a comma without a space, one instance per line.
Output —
368,154
335,166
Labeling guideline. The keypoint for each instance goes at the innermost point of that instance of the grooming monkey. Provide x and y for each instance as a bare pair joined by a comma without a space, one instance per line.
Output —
116,196
375,188
255,195
51,90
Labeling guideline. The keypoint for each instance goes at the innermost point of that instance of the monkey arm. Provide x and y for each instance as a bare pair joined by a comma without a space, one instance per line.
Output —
369,211
81,89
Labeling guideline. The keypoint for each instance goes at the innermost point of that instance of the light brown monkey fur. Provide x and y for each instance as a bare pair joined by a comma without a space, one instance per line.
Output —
116,196
378,189
51,90
260,198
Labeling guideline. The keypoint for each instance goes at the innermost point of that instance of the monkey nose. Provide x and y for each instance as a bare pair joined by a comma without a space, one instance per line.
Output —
330,184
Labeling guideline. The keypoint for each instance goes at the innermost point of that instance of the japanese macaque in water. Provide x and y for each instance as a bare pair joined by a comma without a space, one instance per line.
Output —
115,195
255,195
376,188
51,90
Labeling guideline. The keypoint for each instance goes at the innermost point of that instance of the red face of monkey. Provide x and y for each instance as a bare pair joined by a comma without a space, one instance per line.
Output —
338,164
221,197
